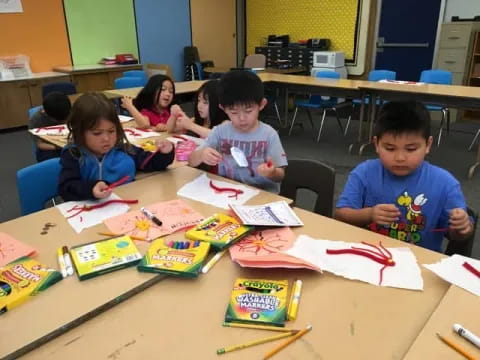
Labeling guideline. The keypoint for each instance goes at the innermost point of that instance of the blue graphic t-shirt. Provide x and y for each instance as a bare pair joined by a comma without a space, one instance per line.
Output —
424,197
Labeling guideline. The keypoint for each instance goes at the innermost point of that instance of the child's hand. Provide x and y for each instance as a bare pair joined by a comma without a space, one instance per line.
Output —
160,127
267,169
127,102
211,156
184,122
385,214
460,222
101,190
176,111
164,146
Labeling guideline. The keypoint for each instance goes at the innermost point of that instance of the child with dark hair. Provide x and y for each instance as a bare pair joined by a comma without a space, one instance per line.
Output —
152,108
240,95
99,153
55,109
207,113
400,194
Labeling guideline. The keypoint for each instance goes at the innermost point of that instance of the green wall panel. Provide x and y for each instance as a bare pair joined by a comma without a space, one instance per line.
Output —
99,28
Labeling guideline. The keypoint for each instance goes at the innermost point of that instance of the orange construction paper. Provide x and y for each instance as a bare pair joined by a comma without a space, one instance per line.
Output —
11,249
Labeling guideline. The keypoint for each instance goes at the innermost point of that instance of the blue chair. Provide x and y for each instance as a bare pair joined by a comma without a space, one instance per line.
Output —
66,88
33,110
37,184
374,75
438,77
129,82
319,102
136,73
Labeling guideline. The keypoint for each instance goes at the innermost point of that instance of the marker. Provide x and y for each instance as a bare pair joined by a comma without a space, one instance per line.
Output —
474,339
294,300
68,261
152,217
213,261
61,262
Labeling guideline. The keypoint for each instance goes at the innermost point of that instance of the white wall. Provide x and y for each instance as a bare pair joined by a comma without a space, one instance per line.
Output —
462,8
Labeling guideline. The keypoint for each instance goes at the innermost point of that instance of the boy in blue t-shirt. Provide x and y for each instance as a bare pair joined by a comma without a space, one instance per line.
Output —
400,195
241,96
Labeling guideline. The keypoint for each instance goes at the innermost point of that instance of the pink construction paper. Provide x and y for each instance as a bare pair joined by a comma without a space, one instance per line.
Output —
11,249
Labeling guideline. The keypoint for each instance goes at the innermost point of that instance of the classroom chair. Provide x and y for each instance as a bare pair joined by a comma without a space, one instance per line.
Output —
438,77
477,134
324,103
129,82
135,73
66,88
374,75
312,175
37,184
255,61
33,110
464,247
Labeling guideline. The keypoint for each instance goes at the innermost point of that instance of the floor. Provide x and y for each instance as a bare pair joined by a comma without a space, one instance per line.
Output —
332,149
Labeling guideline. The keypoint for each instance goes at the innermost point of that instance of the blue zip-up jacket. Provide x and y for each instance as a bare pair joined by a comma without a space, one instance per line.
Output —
81,169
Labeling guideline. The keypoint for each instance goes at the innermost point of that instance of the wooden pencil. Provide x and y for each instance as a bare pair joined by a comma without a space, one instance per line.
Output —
259,327
456,347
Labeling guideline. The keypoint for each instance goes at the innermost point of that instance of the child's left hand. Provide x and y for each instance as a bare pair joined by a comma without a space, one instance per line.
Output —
184,122
164,146
460,222
267,169
176,111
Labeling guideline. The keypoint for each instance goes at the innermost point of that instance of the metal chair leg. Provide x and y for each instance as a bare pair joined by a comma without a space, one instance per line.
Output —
309,113
440,132
293,121
338,119
275,105
474,140
321,124
349,119
448,120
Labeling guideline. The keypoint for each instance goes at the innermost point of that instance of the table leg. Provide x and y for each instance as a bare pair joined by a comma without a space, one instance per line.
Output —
371,119
360,125
285,117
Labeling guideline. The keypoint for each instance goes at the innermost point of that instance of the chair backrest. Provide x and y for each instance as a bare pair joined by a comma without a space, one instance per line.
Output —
190,55
37,184
377,75
33,110
199,70
465,246
328,74
135,73
312,175
155,69
255,61
436,77
66,88
129,82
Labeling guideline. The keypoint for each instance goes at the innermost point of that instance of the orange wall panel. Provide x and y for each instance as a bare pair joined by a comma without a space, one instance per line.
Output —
39,32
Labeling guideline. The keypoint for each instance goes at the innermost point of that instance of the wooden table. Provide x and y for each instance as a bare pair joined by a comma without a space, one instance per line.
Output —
182,319
295,70
457,307
71,302
181,87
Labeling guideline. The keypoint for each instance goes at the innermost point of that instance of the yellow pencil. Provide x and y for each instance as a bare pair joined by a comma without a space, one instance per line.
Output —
253,343
213,261
294,300
259,327
288,342
456,347
131,236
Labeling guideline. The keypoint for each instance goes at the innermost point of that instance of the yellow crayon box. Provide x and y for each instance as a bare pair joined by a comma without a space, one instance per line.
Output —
219,230
182,258
22,279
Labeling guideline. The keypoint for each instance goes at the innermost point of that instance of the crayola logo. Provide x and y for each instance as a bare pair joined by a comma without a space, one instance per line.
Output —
261,285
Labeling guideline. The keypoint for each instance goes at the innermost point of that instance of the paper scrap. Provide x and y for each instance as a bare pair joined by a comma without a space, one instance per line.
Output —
54,130
11,249
124,118
134,134
277,213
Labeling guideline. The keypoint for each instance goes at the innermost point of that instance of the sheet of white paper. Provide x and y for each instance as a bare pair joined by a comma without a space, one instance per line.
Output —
60,130
277,213
88,219
196,140
200,190
451,269
11,6
124,118
404,274
134,134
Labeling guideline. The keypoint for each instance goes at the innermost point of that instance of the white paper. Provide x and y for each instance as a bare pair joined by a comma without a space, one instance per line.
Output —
134,134
200,190
11,6
451,269
196,140
124,118
277,213
405,274
401,82
60,130
87,219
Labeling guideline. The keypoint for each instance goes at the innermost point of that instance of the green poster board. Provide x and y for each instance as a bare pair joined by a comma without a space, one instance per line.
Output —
99,28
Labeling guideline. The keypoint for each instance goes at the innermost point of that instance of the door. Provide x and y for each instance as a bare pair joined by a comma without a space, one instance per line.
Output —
406,36
214,31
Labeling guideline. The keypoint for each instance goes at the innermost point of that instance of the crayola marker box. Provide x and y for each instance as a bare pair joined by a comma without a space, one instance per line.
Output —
219,230
181,258
258,301
22,279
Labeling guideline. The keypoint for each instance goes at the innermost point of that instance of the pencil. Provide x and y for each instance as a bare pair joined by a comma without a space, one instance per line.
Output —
288,342
213,261
253,343
456,347
259,327
131,236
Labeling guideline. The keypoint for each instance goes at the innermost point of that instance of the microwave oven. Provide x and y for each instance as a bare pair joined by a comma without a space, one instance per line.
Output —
328,59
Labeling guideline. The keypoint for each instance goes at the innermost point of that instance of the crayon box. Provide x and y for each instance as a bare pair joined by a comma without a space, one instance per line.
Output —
258,301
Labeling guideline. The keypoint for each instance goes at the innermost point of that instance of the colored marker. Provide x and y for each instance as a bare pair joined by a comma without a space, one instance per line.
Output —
68,261
294,300
474,339
61,262
152,217
213,261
